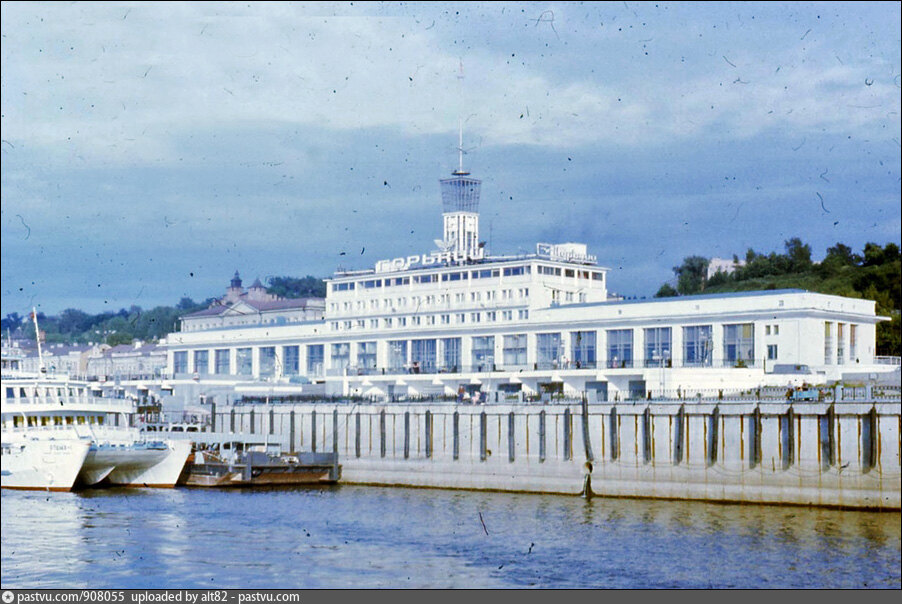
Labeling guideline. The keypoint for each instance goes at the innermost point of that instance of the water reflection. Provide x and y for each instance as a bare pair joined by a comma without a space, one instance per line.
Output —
374,537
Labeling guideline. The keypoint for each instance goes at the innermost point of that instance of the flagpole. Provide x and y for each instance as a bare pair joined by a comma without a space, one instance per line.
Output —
37,337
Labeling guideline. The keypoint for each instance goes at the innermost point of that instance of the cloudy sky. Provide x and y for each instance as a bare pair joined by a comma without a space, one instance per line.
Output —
149,150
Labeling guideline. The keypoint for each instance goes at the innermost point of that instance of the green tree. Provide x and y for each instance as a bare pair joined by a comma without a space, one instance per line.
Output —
292,287
840,259
120,337
667,291
691,275
799,256
873,254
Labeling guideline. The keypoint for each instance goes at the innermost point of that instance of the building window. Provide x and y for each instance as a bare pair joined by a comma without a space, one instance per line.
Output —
582,348
461,318
201,361
244,361
397,354
490,315
523,314
697,346
620,348
222,358
483,353
840,344
451,354
446,319
291,360
316,356
771,352
267,361
657,347
548,350
474,317
828,343
514,351
853,342
180,362
366,355
341,356
739,344
422,356
514,271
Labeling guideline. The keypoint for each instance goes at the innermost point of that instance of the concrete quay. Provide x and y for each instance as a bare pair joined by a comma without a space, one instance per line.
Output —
842,454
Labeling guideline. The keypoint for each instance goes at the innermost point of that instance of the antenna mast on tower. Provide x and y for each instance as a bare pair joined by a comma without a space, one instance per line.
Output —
460,121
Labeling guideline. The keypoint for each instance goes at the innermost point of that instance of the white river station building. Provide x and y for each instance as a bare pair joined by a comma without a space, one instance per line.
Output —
456,320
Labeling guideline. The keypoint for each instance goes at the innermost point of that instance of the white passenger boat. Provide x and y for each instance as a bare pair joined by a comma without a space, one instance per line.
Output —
58,434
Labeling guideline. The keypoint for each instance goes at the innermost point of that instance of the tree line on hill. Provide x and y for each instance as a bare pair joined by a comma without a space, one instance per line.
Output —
73,326
874,274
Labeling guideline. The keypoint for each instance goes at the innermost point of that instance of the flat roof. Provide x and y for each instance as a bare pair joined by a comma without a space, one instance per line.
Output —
721,296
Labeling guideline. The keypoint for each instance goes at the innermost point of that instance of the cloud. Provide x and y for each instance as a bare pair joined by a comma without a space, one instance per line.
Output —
114,83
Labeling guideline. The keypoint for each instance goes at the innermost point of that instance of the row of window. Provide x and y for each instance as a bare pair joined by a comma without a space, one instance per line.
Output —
738,347
45,391
431,278
461,318
33,421
556,271
511,271
429,300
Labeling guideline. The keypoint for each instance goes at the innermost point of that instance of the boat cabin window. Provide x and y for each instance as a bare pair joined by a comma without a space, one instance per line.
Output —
32,421
57,421
17,421
45,420
80,420
100,420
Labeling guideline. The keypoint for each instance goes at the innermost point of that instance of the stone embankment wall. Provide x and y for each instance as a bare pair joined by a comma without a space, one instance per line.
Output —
832,454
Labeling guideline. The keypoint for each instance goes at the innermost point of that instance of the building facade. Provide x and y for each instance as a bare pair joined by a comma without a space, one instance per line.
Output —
455,321
253,306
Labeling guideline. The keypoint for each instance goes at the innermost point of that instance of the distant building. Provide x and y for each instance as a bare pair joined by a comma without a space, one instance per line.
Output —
723,265
90,361
139,360
253,307
59,359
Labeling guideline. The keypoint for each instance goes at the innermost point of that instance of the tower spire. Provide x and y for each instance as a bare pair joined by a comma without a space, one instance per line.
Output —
460,122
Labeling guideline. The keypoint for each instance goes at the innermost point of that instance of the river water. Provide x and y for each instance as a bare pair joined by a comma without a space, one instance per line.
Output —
367,537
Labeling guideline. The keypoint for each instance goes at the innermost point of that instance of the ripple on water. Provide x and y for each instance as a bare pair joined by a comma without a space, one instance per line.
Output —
376,537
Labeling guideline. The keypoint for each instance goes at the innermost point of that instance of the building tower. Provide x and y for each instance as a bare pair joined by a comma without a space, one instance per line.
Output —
460,212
